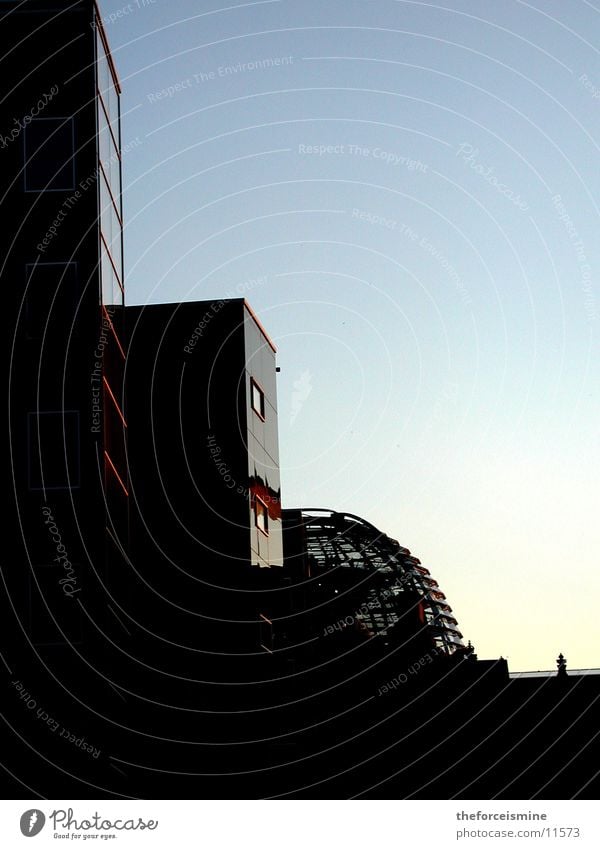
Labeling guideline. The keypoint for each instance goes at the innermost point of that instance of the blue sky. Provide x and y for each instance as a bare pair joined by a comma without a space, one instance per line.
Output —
407,194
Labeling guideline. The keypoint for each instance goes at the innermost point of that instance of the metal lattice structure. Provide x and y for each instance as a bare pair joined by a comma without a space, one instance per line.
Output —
342,541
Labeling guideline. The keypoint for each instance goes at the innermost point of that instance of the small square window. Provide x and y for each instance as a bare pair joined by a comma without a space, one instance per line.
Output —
258,399
261,515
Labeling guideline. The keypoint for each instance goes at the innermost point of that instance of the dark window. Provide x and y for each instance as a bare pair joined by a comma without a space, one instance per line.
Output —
261,515
53,439
49,155
258,399
47,591
51,299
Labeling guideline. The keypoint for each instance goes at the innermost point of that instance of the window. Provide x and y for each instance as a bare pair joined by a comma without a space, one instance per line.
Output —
112,288
53,439
51,299
46,591
107,86
261,515
258,399
49,155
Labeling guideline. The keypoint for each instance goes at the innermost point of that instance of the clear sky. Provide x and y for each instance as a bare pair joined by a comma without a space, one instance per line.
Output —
407,194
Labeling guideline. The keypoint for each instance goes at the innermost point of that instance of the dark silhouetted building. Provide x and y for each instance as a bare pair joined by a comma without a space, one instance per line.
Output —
202,440
172,633
62,277
203,461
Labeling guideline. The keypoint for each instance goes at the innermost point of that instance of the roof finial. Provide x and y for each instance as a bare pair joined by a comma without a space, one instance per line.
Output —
561,663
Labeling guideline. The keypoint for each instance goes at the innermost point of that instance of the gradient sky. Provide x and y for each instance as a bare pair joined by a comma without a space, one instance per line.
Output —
434,302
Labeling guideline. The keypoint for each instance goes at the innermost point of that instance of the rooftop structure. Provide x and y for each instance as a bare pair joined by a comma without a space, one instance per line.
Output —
344,555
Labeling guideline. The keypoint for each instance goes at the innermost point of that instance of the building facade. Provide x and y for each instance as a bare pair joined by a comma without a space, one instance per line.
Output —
203,453
203,465
62,273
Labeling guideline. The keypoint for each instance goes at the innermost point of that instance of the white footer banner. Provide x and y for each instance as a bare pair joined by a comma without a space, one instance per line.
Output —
300,824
